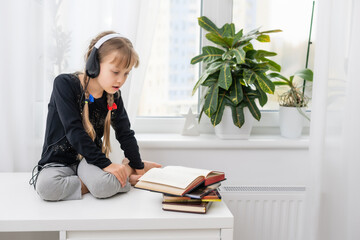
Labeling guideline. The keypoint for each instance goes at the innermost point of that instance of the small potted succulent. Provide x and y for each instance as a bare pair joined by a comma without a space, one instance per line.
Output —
293,103
235,77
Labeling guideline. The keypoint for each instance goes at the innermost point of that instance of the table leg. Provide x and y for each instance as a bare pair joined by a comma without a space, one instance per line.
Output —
62,235
227,234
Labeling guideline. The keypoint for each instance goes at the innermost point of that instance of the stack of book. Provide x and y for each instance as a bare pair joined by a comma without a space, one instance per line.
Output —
184,189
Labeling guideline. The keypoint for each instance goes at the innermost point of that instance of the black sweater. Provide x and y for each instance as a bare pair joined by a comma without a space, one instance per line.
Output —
65,135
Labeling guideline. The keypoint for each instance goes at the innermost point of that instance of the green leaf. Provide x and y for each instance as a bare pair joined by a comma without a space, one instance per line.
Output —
265,84
201,112
213,67
237,37
278,75
213,37
208,25
250,35
263,38
228,30
291,79
239,54
228,41
271,31
251,93
238,115
211,101
223,37
252,107
272,65
217,116
253,32
306,74
277,83
262,53
249,76
225,78
260,67
248,47
262,95
235,92
209,54
197,59
250,54
232,27
209,82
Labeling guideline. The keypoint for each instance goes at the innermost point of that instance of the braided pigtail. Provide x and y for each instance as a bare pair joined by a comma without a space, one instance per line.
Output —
106,147
89,128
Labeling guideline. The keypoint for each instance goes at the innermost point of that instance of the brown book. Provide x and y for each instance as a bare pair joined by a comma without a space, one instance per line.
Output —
177,180
213,196
197,207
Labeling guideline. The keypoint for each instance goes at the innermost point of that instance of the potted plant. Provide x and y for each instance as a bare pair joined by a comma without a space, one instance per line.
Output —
292,103
235,77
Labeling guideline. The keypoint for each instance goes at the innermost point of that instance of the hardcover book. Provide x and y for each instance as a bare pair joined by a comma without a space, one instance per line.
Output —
213,196
197,207
203,191
177,180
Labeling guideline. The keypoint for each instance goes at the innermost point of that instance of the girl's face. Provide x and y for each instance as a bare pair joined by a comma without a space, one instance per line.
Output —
112,76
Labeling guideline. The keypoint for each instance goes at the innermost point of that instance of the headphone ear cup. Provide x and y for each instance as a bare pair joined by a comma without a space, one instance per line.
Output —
92,64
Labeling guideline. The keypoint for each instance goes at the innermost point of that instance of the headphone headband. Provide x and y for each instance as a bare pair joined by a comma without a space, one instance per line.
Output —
92,64
105,38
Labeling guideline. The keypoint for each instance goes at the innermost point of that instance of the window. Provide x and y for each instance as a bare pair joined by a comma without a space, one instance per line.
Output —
170,77
176,41
293,18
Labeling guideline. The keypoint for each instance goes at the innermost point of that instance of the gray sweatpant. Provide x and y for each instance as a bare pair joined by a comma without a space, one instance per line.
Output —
62,183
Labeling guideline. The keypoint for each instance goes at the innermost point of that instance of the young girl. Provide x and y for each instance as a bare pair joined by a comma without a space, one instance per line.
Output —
75,158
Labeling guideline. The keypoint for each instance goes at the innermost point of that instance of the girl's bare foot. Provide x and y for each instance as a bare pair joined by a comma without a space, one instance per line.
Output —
133,179
84,189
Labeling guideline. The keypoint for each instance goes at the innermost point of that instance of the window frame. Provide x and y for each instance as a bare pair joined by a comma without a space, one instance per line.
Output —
220,12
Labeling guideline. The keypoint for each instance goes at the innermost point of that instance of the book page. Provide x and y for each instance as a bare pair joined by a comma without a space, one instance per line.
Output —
188,171
175,176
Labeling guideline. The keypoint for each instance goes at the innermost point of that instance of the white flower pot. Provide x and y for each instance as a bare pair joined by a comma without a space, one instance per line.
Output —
291,121
227,130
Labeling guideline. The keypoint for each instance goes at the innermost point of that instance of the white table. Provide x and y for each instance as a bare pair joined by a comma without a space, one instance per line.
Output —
134,215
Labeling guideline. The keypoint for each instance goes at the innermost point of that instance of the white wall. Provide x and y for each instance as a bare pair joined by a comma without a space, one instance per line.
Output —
241,167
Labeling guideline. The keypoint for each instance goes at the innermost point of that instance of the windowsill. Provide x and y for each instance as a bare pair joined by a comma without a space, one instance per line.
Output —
210,141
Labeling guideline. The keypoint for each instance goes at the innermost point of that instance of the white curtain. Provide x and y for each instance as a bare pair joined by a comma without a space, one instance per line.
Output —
333,207
39,40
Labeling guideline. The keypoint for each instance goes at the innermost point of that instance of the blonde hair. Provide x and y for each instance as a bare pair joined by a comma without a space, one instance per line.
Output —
126,57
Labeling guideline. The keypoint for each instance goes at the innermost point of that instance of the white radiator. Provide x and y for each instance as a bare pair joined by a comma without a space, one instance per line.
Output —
266,212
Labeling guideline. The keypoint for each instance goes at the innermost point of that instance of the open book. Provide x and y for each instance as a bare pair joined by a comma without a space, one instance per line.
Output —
177,180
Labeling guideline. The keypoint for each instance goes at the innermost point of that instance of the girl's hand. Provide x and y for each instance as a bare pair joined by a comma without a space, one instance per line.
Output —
121,172
147,166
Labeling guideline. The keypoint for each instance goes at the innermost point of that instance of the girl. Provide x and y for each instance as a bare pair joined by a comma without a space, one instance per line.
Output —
75,158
